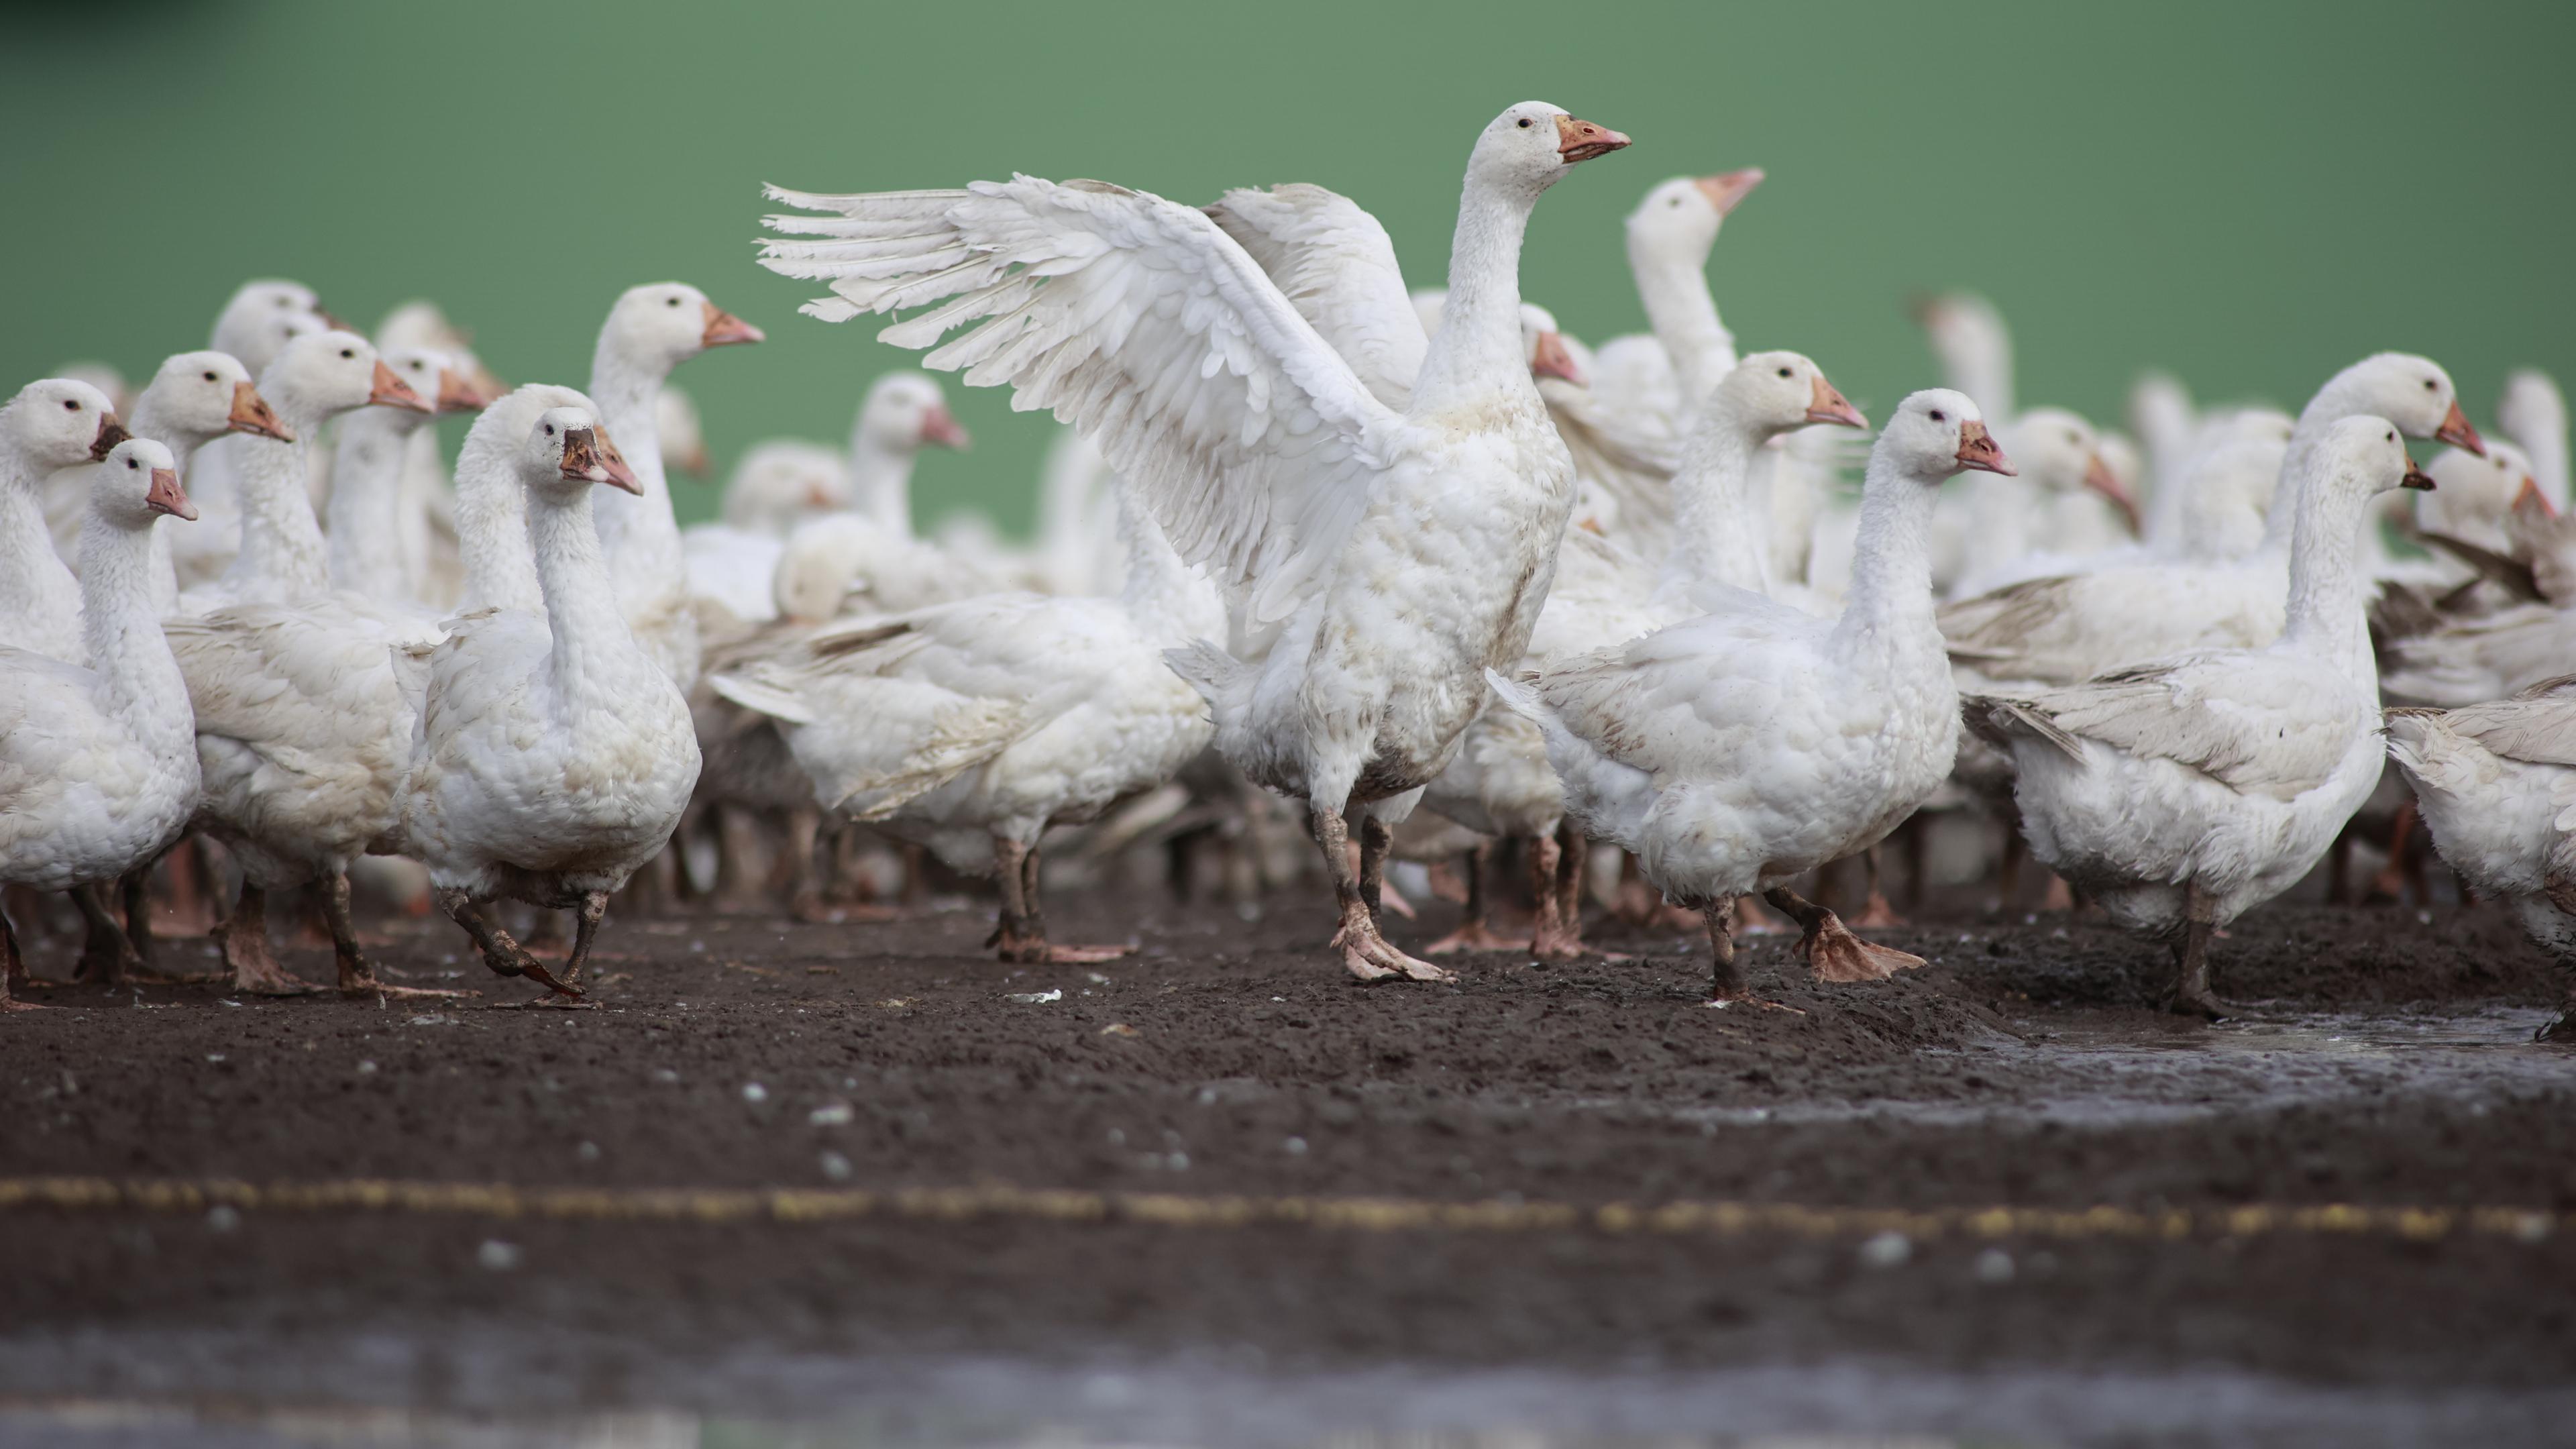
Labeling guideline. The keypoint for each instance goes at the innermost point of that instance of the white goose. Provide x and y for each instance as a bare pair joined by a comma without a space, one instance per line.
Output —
1739,749
2074,626
973,727
2497,785
370,470
554,753
282,557
806,527
51,424
195,398
649,331
258,321
1394,554
1501,783
98,772
2183,791
426,515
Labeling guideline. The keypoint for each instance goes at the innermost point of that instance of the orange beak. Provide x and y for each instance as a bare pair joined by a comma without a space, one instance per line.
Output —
110,433
589,457
1727,188
940,429
1552,358
2416,478
1582,140
2099,477
2530,500
168,497
2455,430
723,327
392,392
489,384
252,414
462,392
1829,406
1977,450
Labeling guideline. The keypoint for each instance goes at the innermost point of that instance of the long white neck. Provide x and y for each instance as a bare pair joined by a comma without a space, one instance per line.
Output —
1478,348
365,541
39,599
1889,605
1170,602
2325,617
122,628
1683,313
594,656
492,534
2341,398
152,420
1719,532
282,557
634,527
881,482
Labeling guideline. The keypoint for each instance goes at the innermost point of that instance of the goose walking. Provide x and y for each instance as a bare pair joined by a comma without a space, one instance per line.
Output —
98,765
1393,555
2182,791
554,753
1734,751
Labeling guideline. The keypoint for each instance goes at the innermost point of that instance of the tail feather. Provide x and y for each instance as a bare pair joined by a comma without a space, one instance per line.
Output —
2001,722
1520,696
1207,668
761,687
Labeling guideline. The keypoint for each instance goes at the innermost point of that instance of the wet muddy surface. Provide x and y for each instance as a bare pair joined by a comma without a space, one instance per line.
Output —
2389,1065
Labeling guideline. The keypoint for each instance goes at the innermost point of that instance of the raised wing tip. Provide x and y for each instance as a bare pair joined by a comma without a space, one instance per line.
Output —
829,309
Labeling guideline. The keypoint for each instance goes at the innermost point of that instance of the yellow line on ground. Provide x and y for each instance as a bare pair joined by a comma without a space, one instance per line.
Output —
718,1206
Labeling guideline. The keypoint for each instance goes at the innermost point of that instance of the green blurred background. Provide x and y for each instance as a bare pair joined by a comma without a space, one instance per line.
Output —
2249,195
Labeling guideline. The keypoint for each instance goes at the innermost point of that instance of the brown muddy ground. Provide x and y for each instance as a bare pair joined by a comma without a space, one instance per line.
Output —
2023,1068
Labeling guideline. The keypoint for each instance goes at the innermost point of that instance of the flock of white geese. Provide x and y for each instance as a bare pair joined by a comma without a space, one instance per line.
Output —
1377,550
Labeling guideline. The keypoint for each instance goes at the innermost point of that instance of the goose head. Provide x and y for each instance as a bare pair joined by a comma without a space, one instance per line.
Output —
1937,433
2365,456
322,373
1550,352
2062,453
2410,391
422,324
663,324
1780,392
1529,148
199,396
434,378
568,451
138,482
2479,490
1679,218
56,422
263,316
905,412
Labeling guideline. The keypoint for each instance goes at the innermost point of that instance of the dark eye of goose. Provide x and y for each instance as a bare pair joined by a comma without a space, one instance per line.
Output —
130,465
1784,372
1938,417
550,430
1524,123
675,301
348,353
210,377
71,404
2431,386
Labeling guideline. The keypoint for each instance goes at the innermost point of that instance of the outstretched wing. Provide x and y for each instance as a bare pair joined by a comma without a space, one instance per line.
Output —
1143,325
1337,267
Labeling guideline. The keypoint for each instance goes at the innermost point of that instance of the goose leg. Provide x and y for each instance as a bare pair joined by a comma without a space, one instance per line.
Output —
248,961
1830,949
505,956
1876,912
585,931
13,967
2192,995
1022,934
1473,933
134,895
107,955
357,974
1376,839
1365,953
2389,886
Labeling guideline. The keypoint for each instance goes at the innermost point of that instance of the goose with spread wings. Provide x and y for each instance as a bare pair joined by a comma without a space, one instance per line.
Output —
1384,555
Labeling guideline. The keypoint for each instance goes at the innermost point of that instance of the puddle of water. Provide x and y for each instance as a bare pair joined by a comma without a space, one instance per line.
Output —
814,1403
